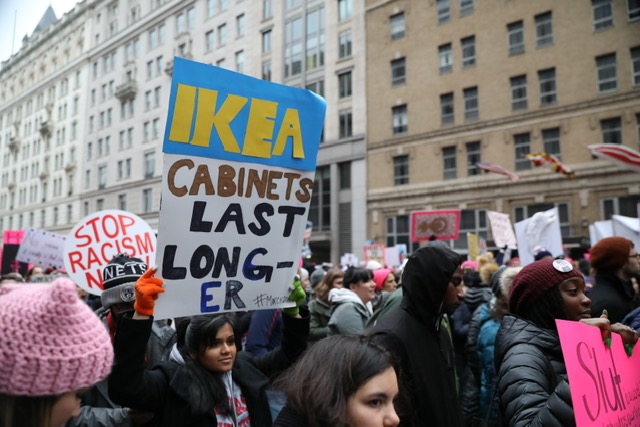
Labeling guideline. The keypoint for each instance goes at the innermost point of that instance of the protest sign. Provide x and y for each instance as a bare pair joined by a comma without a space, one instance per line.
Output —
502,229
349,259
239,161
443,225
11,240
392,257
98,237
42,248
541,230
374,253
473,246
604,382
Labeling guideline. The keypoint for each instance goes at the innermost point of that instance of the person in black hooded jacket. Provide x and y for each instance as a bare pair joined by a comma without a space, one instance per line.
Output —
418,336
532,379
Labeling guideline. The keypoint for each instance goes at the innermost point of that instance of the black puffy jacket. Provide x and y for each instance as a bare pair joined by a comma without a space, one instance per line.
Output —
532,379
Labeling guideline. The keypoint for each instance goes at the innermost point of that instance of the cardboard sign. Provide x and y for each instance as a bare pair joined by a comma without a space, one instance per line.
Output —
42,248
542,229
605,383
374,252
98,237
502,229
239,163
444,225
473,246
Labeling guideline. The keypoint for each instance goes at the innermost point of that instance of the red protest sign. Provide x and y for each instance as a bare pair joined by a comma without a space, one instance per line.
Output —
98,237
444,225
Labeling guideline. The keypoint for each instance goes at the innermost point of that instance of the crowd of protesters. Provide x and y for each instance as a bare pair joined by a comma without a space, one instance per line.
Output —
441,341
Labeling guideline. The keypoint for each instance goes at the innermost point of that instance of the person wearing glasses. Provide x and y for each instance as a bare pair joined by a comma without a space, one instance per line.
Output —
615,261
418,335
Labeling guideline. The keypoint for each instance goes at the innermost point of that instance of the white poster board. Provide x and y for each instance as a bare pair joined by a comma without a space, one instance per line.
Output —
502,229
392,257
42,248
542,229
98,237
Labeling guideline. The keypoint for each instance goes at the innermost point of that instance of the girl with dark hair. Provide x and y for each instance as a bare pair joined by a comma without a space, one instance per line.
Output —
217,385
340,381
532,378
351,306
320,307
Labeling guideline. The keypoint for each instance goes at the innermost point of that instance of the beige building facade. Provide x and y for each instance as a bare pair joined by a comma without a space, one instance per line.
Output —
452,83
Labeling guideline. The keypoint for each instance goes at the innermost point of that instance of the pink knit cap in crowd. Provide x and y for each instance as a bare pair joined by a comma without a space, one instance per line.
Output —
379,276
537,278
50,341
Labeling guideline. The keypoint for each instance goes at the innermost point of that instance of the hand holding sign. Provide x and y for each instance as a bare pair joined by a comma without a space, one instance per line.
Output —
147,290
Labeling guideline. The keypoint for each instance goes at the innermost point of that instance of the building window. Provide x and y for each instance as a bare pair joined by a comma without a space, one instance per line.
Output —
267,9
444,11
122,202
266,41
606,72
149,164
211,8
266,71
315,39
224,5
320,206
209,42
633,9
344,174
401,170
611,130
102,177
449,162
468,45
147,200
471,221
527,211
293,47
544,29
522,144
400,119
473,157
398,72
602,14
551,142
344,44
180,21
446,58
470,103
446,109
399,233
240,25
466,7
547,80
344,10
316,87
397,26
222,35
635,65
519,93
344,85
345,123
240,61
626,206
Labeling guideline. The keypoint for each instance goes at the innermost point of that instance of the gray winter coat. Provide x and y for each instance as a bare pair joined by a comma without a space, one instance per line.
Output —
348,313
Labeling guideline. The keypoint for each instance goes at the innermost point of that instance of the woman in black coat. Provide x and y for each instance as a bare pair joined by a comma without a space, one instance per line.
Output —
217,385
532,380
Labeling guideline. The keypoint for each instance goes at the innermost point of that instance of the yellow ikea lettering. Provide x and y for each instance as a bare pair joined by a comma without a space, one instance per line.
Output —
196,107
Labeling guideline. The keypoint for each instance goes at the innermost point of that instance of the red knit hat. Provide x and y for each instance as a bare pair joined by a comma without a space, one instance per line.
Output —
537,278
610,253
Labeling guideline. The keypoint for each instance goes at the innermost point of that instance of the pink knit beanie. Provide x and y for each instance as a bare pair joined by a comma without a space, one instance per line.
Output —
50,341
379,276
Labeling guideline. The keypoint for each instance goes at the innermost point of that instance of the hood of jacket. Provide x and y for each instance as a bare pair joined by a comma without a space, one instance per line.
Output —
339,296
515,330
425,281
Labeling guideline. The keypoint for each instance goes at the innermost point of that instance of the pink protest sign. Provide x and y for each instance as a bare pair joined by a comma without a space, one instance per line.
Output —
605,383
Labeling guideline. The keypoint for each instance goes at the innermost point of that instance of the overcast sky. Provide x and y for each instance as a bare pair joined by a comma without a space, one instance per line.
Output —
24,15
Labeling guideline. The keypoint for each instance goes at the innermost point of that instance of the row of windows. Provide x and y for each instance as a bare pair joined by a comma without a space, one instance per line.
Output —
123,170
610,128
606,73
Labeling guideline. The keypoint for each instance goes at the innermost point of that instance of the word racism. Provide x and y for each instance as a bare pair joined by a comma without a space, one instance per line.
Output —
259,129
185,178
